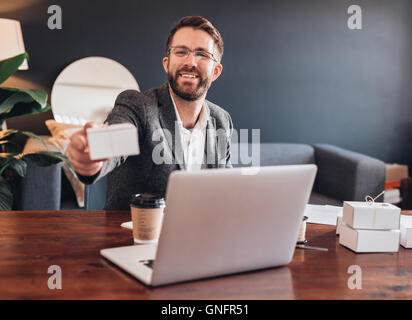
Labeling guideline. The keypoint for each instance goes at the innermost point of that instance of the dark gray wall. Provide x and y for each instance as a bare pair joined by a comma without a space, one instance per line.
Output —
291,68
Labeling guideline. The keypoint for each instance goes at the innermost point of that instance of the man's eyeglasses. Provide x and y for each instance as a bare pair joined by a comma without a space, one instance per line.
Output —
199,54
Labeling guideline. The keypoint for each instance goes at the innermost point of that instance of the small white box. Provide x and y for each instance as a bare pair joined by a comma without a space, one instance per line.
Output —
369,240
113,141
371,215
406,231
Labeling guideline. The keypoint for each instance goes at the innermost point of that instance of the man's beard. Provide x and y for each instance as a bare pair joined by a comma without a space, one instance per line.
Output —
192,95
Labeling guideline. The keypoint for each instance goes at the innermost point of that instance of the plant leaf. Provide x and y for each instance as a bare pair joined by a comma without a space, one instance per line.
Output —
4,94
44,158
7,154
9,66
36,94
3,162
31,135
19,166
11,147
7,133
34,136
13,99
69,166
6,196
18,102
11,133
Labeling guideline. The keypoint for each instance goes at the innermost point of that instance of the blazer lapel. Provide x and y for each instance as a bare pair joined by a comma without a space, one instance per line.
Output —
168,120
210,143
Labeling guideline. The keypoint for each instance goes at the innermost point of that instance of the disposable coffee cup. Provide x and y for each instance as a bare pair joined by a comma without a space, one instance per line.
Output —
147,216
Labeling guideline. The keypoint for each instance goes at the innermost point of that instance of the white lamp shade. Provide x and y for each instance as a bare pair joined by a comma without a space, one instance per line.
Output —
11,40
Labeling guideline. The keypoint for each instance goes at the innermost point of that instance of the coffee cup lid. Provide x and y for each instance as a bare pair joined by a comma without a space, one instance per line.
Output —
147,200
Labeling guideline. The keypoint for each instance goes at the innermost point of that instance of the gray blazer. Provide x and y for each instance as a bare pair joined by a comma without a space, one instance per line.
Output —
153,113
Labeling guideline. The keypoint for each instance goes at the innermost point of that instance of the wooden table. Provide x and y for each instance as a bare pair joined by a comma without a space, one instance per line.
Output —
30,242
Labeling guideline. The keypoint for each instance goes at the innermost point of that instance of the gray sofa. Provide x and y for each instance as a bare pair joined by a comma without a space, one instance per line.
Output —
342,175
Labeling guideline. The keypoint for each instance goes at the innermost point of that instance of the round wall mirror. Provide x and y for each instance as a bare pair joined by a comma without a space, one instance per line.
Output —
87,89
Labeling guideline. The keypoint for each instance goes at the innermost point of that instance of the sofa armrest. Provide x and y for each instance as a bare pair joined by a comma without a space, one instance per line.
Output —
95,195
40,189
347,175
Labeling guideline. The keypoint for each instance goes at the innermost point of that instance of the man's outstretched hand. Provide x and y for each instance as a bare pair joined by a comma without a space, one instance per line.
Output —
78,153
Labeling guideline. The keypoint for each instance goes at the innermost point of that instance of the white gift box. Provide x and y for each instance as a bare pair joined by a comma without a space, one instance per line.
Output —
369,240
371,215
113,141
406,231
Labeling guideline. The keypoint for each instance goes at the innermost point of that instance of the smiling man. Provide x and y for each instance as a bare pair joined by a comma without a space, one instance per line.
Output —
178,128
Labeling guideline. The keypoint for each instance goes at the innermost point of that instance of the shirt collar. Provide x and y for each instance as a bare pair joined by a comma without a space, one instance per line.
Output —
201,121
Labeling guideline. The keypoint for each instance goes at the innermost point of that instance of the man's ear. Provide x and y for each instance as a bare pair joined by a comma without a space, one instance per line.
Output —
165,62
217,70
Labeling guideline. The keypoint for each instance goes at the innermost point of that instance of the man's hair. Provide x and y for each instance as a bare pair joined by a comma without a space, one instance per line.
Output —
200,23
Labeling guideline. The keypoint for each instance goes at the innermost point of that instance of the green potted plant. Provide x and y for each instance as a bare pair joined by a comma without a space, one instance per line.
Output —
14,103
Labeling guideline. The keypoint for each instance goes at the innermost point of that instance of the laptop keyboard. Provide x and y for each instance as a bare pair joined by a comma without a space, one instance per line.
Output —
147,263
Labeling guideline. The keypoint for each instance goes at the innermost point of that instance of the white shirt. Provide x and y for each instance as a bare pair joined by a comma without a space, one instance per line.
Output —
193,140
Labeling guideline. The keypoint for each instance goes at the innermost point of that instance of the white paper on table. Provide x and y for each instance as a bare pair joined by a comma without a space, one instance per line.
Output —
127,225
323,214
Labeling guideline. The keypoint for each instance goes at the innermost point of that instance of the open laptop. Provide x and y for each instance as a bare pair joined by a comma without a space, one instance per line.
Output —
222,221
